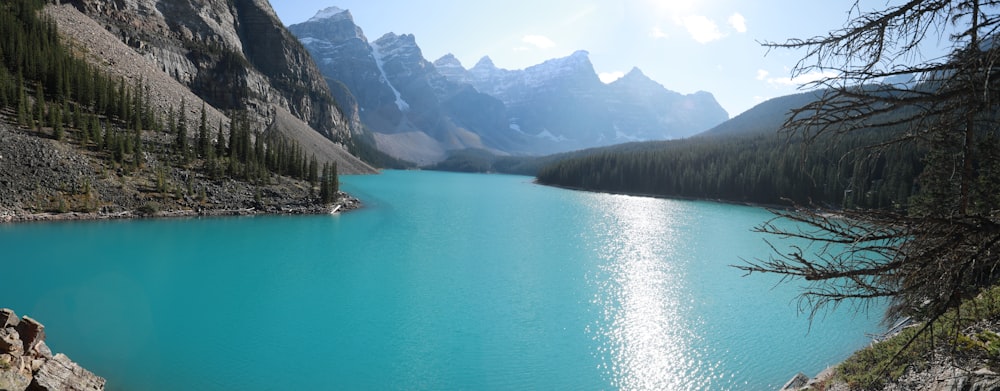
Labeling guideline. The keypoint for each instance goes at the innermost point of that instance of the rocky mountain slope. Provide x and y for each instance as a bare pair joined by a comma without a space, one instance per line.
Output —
234,55
421,110
416,113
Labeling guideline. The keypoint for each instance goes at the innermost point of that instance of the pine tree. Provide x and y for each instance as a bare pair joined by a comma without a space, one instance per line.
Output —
107,143
313,172
84,134
77,117
181,141
23,115
220,142
329,184
39,107
334,181
55,120
203,145
6,85
137,148
324,187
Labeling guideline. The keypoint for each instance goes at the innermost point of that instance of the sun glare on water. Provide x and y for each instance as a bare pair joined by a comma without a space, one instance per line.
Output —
647,332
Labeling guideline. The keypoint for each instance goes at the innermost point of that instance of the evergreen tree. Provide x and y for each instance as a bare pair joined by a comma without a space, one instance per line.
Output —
181,140
324,187
39,107
77,117
220,142
55,120
203,144
138,152
85,133
23,115
313,171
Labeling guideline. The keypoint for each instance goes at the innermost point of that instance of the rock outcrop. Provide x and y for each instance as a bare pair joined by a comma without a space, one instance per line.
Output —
27,363
171,66
234,55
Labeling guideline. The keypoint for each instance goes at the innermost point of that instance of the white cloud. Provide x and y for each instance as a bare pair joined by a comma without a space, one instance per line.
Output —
608,77
762,74
801,79
738,22
539,41
702,29
657,33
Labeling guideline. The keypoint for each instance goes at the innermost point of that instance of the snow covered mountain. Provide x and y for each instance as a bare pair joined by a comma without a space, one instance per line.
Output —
563,99
420,110
415,113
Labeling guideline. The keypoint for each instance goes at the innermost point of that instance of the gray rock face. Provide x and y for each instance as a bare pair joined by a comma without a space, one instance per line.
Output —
27,363
235,54
344,55
399,93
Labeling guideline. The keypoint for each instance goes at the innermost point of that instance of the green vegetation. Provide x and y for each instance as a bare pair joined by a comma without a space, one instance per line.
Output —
762,168
46,88
916,346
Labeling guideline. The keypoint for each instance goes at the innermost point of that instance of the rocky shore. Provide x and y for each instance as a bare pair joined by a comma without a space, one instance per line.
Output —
27,363
43,179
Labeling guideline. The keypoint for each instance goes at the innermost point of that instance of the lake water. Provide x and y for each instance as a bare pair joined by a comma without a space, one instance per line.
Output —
443,281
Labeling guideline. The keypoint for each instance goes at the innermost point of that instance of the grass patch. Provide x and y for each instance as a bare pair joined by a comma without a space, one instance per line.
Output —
963,333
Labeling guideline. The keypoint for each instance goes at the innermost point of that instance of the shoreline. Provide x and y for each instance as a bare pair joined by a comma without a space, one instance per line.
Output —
345,203
676,198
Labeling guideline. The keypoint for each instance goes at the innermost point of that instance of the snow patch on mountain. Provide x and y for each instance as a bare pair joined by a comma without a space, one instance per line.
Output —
377,53
310,41
546,134
327,14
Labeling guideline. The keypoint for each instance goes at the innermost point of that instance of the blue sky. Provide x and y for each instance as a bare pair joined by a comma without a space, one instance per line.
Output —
686,45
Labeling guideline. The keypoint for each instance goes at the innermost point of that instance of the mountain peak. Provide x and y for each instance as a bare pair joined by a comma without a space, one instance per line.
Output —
448,60
485,62
635,73
331,13
635,76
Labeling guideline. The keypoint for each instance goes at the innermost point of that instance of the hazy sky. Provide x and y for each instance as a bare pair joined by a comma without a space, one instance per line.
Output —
686,45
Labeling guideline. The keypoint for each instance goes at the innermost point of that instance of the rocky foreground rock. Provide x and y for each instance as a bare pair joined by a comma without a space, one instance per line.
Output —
27,363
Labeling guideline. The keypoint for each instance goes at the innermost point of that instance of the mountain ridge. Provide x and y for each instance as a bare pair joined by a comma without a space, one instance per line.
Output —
555,106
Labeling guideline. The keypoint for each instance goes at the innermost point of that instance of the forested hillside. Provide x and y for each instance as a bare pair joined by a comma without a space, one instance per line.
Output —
747,160
173,160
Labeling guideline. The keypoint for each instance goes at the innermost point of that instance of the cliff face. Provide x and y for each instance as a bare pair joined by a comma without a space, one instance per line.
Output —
414,112
235,54
26,362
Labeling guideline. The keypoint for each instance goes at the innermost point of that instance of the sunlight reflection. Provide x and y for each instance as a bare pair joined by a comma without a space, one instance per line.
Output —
646,332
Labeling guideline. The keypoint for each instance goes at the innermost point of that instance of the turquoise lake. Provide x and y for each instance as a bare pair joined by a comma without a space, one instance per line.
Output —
443,281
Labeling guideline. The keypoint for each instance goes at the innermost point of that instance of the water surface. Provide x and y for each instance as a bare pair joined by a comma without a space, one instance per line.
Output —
442,281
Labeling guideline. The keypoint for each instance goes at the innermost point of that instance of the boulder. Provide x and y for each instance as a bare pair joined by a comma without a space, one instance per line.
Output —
13,375
41,350
8,318
10,342
61,374
32,332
